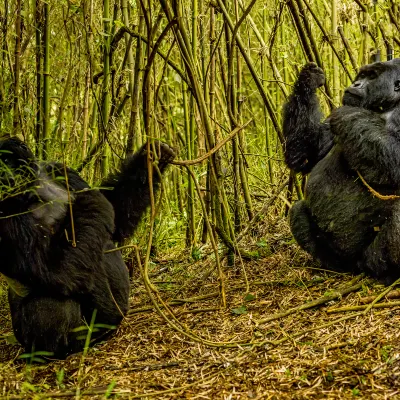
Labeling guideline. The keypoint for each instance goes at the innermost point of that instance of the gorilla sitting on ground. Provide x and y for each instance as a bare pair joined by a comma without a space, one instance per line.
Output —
350,217
55,284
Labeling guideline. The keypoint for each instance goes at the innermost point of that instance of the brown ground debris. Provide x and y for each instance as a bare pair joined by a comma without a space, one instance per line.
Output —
350,355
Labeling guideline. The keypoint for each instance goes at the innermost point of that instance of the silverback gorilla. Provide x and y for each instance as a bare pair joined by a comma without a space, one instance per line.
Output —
54,286
350,217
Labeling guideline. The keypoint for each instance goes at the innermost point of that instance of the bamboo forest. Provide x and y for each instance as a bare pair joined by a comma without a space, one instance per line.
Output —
178,218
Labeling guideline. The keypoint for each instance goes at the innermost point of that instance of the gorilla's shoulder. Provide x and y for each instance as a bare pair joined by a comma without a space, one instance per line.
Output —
57,171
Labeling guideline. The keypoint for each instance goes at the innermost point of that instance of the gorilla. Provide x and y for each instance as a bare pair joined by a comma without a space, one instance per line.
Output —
350,217
55,237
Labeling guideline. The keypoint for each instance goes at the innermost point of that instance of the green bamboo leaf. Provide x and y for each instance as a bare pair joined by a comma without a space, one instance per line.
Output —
249,297
239,310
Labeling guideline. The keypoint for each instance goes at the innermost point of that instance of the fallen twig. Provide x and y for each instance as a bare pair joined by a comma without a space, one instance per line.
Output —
364,307
314,303
338,345
382,295
394,294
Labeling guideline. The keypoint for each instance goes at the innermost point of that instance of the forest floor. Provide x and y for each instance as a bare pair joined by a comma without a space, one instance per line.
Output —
231,353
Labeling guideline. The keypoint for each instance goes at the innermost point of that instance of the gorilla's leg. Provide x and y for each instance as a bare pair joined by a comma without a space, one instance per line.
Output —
311,239
45,323
109,297
130,193
382,257
118,280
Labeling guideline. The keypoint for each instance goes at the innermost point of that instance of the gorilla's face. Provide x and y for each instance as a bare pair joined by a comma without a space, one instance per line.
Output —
17,166
376,87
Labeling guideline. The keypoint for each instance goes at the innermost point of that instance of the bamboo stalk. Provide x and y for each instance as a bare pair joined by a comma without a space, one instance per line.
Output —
17,69
300,32
105,109
184,44
335,64
348,49
190,192
247,59
38,60
85,123
324,33
190,139
268,141
134,133
46,78
242,139
210,201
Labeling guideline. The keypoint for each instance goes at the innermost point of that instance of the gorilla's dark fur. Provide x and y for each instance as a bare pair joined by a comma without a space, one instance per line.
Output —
341,222
55,287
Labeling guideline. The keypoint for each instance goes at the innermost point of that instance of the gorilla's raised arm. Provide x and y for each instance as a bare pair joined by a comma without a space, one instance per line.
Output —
308,139
130,191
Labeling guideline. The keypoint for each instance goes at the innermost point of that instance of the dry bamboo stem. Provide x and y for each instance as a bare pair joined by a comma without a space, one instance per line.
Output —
312,304
365,307
394,294
382,295
348,49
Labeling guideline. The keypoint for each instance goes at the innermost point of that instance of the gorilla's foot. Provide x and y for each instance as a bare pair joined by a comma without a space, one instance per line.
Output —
381,259
315,242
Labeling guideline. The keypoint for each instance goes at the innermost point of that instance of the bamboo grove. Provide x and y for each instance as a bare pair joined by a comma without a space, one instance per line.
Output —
89,81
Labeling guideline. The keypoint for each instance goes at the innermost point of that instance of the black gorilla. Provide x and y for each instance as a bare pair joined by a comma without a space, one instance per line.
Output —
342,222
55,287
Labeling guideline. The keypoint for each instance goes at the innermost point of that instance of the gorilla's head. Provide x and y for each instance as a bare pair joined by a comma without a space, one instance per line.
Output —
376,87
18,167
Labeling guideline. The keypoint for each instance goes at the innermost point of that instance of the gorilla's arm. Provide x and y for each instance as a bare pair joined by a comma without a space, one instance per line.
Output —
130,192
367,143
308,140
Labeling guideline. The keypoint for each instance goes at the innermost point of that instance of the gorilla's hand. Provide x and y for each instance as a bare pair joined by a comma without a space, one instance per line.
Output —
159,151
165,153
310,77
